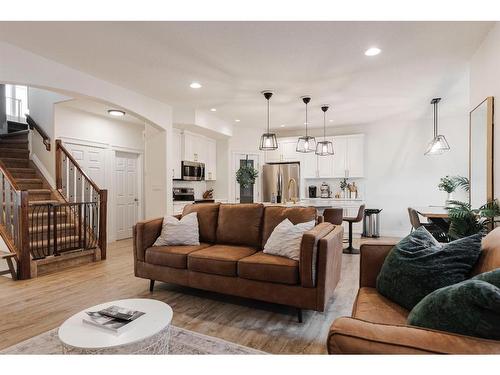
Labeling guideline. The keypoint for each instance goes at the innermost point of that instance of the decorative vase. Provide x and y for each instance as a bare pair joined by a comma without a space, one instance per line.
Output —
450,198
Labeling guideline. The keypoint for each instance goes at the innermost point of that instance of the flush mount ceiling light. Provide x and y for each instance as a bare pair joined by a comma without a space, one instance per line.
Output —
324,148
116,112
195,85
438,145
213,110
306,143
373,51
268,141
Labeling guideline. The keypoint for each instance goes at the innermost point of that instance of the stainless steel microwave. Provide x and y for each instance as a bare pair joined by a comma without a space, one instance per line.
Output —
192,171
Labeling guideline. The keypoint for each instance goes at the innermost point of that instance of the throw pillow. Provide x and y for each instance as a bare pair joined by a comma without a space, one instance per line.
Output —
179,232
418,265
286,238
470,308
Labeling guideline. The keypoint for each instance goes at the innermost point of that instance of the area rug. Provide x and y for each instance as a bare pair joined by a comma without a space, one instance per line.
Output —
182,341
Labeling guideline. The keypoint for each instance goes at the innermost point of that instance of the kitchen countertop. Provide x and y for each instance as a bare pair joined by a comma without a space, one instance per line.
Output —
319,202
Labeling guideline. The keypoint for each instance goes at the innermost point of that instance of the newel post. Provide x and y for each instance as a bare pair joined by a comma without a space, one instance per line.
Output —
103,203
24,265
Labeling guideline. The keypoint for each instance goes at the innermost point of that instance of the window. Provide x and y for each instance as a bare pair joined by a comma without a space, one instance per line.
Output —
16,102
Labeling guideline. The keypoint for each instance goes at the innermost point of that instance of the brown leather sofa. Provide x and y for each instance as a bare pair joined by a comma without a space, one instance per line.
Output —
229,259
378,326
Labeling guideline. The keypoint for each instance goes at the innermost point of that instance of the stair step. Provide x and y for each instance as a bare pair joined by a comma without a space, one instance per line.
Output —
29,183
20,144
16,162
15,126
61,241
14,153
22,172
23,134
66,228
43,202
42,217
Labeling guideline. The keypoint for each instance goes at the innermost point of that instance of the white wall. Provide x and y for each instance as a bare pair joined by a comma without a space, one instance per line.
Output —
484,82
155,173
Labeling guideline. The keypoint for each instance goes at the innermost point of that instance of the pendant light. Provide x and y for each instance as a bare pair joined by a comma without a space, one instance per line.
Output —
324,147
438,145
268,141
306,143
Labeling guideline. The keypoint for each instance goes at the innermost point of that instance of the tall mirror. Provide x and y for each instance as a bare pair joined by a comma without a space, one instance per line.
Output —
481,153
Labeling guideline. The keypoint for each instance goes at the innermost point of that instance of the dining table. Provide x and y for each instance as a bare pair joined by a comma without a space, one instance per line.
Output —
433,212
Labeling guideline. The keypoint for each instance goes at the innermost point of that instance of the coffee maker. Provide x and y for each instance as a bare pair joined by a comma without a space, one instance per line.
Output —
312,191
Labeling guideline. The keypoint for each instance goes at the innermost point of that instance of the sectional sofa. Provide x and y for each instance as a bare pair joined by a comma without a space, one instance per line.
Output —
230,260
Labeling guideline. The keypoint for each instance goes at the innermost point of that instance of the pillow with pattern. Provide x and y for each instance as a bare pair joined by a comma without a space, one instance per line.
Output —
286,238
179,232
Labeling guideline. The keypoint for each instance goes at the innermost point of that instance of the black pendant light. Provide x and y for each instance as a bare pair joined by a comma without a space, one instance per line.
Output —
268,141
306,143
438,145
324,148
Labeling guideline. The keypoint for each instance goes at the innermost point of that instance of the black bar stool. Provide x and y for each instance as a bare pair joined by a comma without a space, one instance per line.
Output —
350,220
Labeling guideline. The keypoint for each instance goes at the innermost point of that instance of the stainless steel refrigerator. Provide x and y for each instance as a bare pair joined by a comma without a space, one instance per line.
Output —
281,180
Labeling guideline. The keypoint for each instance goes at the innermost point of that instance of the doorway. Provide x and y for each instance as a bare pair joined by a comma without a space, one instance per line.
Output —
249,194
126,193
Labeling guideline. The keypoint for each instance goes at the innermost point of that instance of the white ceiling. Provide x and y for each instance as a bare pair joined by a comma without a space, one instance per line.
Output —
234,61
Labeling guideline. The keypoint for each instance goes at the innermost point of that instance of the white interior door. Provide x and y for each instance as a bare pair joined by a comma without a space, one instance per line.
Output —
127,195
91,159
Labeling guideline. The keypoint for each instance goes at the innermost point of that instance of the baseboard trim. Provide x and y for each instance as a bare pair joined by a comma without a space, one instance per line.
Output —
43,170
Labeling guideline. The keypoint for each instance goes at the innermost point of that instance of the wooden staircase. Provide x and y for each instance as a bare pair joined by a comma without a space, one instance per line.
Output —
57,227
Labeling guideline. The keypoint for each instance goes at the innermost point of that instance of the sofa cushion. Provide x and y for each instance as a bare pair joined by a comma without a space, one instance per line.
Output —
240,224
418,265
207,219
286,239
273,215
267,267
171,256
371,306
218,259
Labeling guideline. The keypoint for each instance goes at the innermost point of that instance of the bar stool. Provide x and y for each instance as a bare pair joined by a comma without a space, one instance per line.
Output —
333,215
350,220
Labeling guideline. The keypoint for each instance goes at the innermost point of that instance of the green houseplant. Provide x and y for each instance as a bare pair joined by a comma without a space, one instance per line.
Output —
246,175
466,221
450,183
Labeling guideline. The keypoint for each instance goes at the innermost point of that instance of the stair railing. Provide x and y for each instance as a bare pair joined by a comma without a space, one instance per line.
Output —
34,126
14,225
77,187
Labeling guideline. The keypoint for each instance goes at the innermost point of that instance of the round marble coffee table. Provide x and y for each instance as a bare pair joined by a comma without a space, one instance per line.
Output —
148,334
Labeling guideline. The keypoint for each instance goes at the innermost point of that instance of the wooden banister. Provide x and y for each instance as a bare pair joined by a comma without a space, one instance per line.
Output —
33,125
8,175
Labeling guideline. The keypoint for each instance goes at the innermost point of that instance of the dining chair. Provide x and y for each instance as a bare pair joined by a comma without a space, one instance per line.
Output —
436,231
350,249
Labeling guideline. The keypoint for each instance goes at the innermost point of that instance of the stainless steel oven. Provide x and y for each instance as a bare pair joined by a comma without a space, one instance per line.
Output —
193,171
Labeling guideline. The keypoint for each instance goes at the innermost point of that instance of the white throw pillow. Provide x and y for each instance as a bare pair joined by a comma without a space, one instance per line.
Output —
179,232
286,238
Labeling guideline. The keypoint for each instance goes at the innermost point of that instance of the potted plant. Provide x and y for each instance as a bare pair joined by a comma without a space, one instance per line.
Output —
466,221
450,183
343,187
246,175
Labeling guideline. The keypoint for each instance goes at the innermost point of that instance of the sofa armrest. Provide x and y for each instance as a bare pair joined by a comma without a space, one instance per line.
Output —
371,260
355,336
329,265
308,253
145,234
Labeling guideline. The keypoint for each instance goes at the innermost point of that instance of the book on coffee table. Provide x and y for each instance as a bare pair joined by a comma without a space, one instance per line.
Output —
114,318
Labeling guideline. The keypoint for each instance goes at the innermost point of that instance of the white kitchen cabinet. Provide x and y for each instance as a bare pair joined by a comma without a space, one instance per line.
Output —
285,152
349,156
176,153
211,160
309,165
326,164
189,147
355,155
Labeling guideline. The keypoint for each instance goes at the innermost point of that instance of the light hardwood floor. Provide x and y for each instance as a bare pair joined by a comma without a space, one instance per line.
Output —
31,307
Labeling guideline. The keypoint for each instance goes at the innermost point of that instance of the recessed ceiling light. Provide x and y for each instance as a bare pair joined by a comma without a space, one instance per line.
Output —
195,85
213,110
330,120
282,125
116,112
237,120
373,51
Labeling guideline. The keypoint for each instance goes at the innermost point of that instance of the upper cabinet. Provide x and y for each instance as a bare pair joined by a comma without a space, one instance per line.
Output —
349,156
286,152
177,153
197,148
